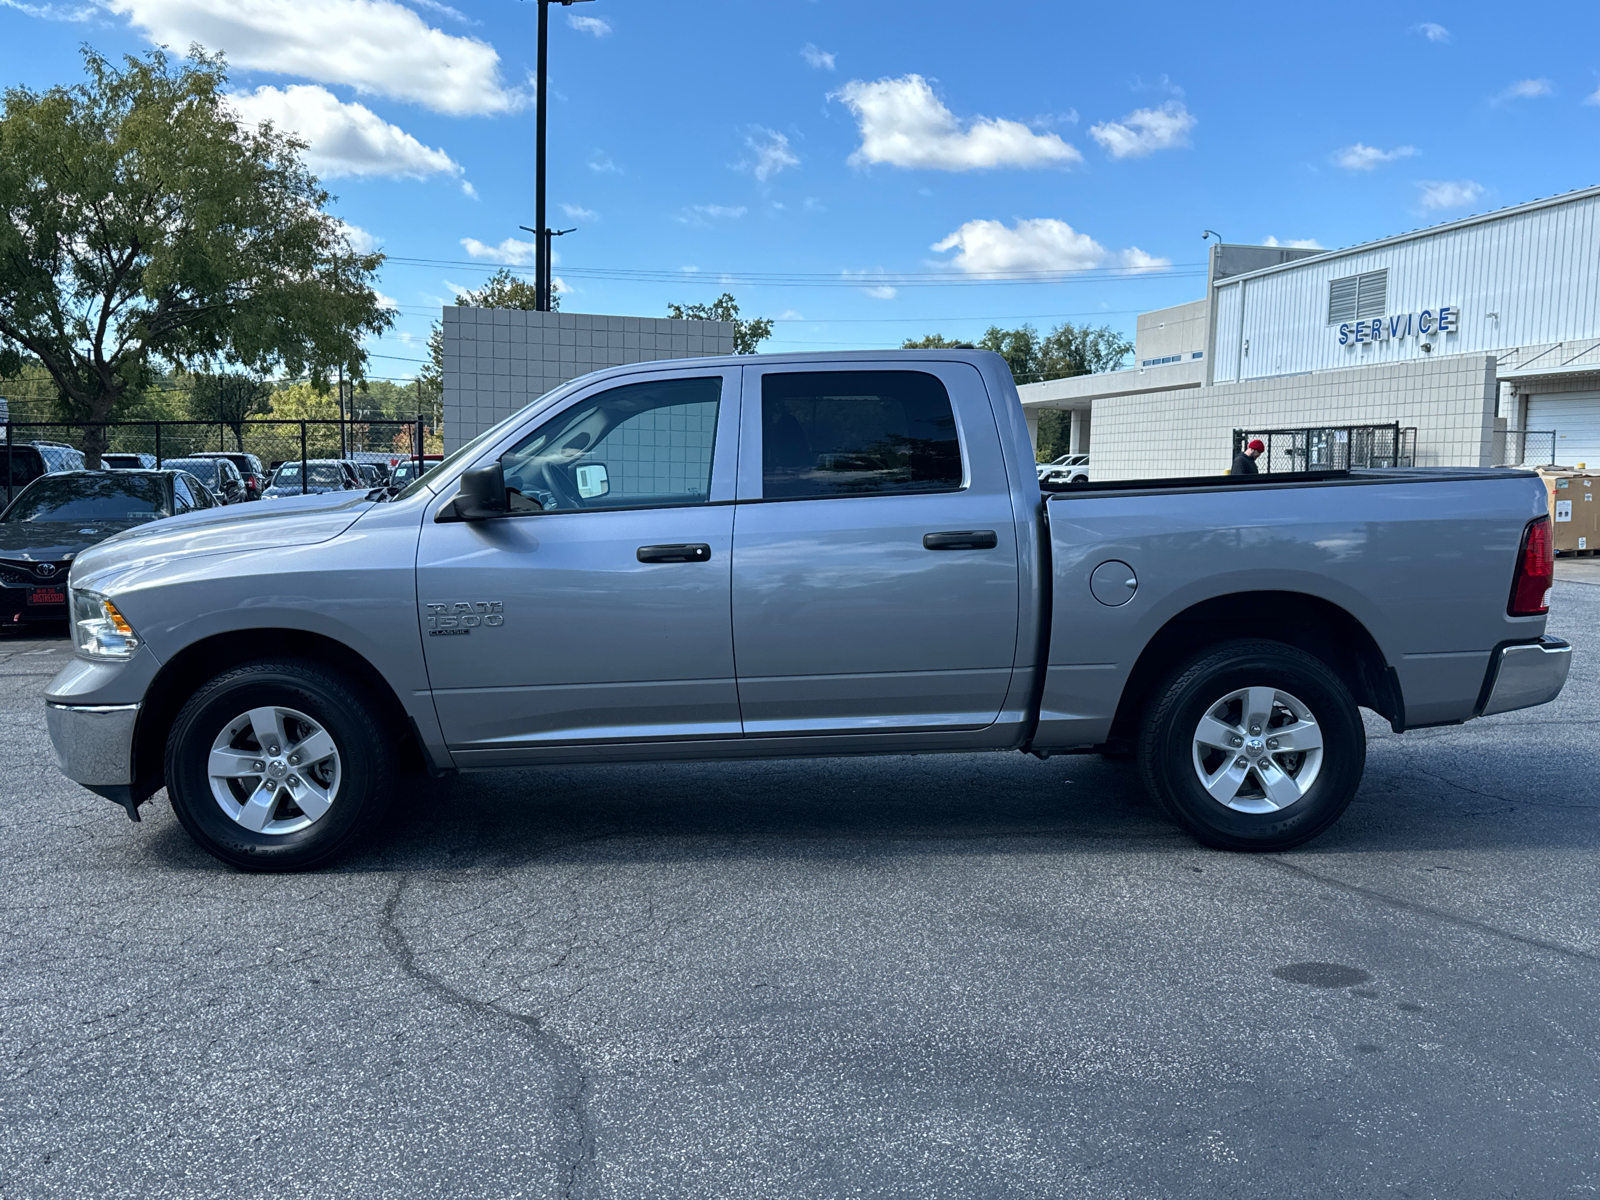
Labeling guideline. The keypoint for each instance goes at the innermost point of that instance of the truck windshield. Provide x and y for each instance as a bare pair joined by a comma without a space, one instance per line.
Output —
68,498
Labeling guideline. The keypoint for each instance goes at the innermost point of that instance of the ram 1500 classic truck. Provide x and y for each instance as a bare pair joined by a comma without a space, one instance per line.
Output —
794,555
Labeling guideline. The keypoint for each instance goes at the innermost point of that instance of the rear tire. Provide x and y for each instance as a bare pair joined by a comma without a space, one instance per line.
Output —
279,765
1253,745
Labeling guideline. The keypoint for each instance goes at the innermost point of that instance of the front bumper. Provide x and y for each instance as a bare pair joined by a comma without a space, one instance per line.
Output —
1527,674
93,742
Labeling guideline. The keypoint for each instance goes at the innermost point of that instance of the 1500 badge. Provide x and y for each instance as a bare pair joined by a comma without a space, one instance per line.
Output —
458,617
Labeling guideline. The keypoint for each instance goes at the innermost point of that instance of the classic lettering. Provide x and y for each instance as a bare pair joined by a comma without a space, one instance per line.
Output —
1344,334
1425,321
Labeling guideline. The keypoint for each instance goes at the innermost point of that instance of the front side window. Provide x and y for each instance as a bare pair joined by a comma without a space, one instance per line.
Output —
639,445
856,433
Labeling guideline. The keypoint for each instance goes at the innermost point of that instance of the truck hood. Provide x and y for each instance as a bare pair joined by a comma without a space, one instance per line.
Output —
255,525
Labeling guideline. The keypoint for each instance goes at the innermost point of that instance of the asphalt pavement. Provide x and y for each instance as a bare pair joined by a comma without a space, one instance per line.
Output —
968,976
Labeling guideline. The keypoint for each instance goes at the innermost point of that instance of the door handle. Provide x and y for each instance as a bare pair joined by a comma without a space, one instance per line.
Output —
961,539
684,552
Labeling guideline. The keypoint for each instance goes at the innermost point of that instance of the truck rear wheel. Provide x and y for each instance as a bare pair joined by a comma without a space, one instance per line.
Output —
278,766
1254,745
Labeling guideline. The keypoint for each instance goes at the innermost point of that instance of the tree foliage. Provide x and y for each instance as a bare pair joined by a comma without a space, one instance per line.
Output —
228,398
747,334
146,226
1067,350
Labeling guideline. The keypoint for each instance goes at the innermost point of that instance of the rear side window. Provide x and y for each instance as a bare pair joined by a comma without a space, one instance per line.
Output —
856,433
24,462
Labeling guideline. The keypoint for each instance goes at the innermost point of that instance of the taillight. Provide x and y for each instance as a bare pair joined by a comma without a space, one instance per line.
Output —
1536,571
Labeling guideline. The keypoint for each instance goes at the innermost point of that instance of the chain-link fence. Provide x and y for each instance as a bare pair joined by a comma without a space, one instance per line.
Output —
1524,447
33,448
1330,447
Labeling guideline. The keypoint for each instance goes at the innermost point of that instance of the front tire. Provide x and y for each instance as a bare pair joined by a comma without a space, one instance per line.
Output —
1253,745
279,765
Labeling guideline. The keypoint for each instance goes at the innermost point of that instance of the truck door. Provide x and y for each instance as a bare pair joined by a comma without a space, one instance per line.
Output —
875,563
598,610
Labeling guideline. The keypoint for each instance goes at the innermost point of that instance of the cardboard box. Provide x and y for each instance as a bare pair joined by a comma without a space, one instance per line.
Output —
1574,498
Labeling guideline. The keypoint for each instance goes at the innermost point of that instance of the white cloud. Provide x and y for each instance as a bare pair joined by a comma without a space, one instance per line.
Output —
53,12
600,162
513,250
342,139
1449,193
386,301
1593,97
375,46
1137,260
598,26
579,213
1042,244
905,125
1433,31
444,10
1146,130
704,214
1360,157
1525,89
772,153
878,291
467,190
1293,243
821,59
357,238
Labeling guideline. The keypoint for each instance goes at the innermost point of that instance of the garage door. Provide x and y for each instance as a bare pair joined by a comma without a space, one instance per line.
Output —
1575,416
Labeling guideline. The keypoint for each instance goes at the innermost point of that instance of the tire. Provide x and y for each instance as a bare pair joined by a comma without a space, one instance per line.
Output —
1264,793
283,811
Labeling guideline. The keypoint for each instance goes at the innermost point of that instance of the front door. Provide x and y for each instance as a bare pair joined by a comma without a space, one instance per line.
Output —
598,609
875,561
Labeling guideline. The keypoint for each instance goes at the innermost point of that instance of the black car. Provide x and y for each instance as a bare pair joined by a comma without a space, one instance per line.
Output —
250,469
218,474
56,518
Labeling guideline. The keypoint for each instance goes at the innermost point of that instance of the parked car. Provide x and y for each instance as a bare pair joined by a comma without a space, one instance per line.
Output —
249,467
649,563
322,475
57,517
1069,468
371,474
218,474
119,461
23,462
1042,468
408,470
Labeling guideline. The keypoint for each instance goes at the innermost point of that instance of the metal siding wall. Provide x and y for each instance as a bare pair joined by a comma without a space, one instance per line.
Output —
1539,270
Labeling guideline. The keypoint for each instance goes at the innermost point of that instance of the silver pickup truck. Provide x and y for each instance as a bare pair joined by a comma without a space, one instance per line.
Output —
794,555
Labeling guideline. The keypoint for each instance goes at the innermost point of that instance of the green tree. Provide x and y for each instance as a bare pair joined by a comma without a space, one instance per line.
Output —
504,290
1066,351
147,226
229,398
747,334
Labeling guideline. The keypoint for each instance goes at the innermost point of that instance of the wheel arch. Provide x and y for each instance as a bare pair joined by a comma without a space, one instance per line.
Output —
1317,626
181,675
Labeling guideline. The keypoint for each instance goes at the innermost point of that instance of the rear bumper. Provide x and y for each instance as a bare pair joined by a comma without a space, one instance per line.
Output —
93,742
1524,675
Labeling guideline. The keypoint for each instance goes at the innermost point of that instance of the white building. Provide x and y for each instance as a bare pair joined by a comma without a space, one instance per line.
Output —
1461,331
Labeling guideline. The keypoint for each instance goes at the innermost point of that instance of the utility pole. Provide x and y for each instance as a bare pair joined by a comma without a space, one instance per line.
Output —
541,242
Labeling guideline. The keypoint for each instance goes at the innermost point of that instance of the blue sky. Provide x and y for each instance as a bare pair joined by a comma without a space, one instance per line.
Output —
901,167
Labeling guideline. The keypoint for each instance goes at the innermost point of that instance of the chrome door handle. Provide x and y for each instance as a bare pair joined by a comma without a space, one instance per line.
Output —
961,539
682,553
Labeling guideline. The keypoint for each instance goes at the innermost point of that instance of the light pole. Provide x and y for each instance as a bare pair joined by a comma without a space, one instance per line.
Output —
541,242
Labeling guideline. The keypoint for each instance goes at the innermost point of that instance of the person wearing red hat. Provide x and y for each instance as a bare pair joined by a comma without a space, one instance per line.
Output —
1244,462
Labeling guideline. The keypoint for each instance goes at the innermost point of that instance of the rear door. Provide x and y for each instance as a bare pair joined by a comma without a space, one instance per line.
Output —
875,574
598,612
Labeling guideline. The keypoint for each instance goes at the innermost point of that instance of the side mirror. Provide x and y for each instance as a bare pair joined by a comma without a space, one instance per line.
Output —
481,494
593,480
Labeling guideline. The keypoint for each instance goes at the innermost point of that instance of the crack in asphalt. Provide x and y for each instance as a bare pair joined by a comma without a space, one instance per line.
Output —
1442,915
562,1058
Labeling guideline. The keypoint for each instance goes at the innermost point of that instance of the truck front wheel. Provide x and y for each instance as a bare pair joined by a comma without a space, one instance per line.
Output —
1254,745
278,766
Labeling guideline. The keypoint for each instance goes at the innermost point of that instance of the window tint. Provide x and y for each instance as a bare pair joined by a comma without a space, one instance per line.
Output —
104,497
641,444
24,462
183,498
850,433
201,468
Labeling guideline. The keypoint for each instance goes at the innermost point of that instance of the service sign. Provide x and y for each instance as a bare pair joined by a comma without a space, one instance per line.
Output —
1430,322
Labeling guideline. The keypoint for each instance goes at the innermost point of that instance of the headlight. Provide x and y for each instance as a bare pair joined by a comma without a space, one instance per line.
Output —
98,629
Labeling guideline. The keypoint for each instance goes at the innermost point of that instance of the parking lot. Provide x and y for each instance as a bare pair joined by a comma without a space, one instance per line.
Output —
944,976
